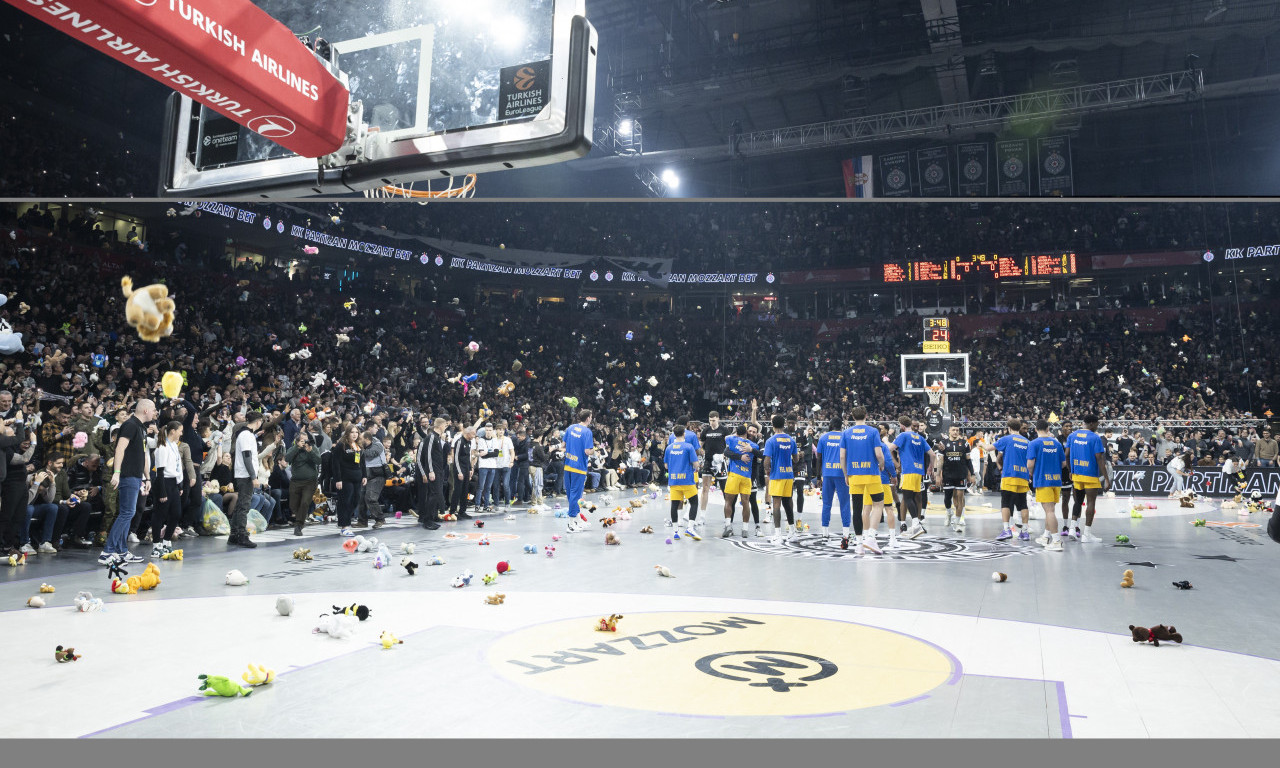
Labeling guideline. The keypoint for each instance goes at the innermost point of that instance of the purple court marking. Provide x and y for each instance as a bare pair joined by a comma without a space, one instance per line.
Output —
1064,719
910,701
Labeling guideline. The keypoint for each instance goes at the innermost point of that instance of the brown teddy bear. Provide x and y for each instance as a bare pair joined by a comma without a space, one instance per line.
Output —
1128,579
149,310
1155,634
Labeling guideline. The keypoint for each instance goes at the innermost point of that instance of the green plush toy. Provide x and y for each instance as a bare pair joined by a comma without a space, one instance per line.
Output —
222,686
1122,539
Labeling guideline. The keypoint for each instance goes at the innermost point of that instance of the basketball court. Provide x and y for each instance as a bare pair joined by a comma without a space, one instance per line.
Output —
747,639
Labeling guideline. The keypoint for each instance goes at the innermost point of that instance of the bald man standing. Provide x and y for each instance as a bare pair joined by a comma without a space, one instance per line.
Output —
130,477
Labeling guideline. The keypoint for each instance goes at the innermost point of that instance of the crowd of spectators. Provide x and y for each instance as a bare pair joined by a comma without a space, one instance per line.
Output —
255,339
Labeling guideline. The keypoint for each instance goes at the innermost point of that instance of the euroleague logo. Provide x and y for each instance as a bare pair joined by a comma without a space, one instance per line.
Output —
272,126
525,79
922,550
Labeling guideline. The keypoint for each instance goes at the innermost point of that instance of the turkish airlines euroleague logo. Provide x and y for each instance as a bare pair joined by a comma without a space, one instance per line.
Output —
272,126
525,79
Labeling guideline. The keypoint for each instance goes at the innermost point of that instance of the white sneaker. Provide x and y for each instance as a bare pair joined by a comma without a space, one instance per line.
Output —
960,525
572,527
47,549
794,535
1054,544
668,524
951,517
868,544
893,541
27,549
1087,537
759,531
1043,539
133,538
728,532
915,530
691,533
775,539
745,533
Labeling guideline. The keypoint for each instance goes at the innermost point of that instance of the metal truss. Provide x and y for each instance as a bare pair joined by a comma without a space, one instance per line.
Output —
1075,100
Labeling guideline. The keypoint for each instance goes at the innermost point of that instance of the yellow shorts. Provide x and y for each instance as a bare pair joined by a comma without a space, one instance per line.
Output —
865,484
867,501
781,488
1015,484
1049,495
909,482
682,492
737,484
1084,481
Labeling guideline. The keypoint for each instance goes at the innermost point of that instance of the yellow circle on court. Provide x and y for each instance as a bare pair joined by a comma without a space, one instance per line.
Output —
726,664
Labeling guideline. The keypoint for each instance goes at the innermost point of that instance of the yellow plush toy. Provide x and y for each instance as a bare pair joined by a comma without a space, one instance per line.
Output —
149,310
174,555
259,675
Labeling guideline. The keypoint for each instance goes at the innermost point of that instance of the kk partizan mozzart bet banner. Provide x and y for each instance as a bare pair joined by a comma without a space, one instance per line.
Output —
1156,481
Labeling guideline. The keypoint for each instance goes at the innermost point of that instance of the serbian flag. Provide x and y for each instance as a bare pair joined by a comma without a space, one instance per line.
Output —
859,181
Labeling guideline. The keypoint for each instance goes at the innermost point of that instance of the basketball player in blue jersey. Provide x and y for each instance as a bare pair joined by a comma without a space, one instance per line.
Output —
578,447
1011,451
1044,464
737,487
863,459
834,484
912,450
682,465
1089,472
779,467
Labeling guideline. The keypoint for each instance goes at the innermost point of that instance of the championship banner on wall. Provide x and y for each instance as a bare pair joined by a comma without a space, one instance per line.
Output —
859,181
972,176
935,172
895,175
1011,163
1054,160
1156,481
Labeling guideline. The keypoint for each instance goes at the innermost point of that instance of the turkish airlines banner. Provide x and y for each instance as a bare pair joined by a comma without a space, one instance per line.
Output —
1206,481
229,55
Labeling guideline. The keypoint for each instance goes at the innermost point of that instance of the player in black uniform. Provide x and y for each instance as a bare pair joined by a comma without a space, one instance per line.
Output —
933,418
758,479
956,472
802,466
1064,435
714,466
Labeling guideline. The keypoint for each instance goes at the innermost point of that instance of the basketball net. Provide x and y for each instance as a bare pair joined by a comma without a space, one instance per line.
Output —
935,393
467,188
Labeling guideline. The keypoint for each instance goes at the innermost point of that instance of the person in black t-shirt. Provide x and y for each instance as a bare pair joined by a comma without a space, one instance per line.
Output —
131,477
712,439
954,475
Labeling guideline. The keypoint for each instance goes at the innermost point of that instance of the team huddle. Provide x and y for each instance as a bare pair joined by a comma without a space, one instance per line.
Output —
861,470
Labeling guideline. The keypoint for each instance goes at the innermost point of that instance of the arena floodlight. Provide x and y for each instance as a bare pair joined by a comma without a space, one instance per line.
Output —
671,179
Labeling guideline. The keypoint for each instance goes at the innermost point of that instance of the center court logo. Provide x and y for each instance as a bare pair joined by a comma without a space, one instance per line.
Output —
922,550
704,664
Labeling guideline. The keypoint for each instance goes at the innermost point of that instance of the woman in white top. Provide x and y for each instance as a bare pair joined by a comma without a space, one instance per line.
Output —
1178,467
488,448
168,511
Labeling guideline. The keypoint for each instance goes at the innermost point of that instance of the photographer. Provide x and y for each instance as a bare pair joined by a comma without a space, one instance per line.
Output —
303,458
46,503
84,480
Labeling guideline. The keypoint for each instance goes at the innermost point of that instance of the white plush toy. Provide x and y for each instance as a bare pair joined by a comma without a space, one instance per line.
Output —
236,579
87,603
406,548
284,605
383,558
337,626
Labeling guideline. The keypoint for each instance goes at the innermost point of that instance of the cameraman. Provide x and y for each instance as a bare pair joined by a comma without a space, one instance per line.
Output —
303,458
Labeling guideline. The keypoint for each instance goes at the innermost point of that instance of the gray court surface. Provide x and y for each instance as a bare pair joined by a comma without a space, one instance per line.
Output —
1045,654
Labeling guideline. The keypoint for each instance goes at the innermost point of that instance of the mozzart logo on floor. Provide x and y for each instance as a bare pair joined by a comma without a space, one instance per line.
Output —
723,664
922,550
1156,481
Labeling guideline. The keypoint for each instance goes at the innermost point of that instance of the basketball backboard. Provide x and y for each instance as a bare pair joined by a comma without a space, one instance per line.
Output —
439,88
921,371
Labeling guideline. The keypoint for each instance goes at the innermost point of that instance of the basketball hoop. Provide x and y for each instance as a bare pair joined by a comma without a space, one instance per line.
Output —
935,393
466,189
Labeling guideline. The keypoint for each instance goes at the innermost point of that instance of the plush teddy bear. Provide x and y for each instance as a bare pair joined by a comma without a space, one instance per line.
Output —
302,554
1127,581
1155,634
408,565
150,578
236,579
647,529
496,598
173,554
63,655
149,310
611,538
46,588
337,626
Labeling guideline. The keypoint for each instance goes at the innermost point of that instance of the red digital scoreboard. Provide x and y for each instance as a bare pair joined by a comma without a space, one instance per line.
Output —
982,266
